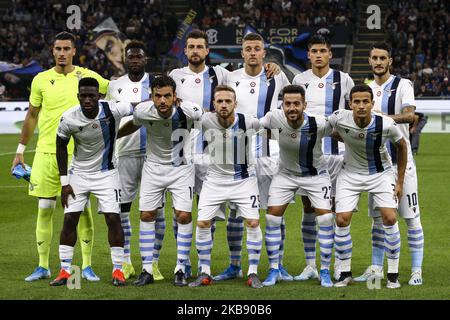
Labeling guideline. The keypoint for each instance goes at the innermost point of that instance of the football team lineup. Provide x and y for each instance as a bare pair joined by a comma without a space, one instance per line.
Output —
204,145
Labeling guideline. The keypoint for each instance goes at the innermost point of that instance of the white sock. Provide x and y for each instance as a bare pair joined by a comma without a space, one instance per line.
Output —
203,241
326,239
117,258
126,225
235,234
309,235
160,229
254,245
146,244
66,256
392,244
184,240
273,239
343,247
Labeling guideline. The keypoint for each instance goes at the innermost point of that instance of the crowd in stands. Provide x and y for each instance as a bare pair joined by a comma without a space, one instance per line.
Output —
418,33
418,30
278,13
27,29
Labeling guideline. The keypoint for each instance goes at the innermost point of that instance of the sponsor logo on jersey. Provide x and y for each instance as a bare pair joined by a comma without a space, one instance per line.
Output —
52,82
252,91
237,83
119,90
183,80
306,85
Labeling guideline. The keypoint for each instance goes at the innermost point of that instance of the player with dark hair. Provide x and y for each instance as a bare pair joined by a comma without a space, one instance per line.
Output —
52,93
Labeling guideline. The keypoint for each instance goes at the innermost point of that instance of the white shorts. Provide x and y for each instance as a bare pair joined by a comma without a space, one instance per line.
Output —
201,166
156,179
242,193
284,186
105,186
130,172
334,165
408,206
350,186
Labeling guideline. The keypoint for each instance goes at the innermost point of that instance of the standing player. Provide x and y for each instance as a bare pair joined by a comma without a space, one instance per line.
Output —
52,93
394,97
93,125
256,94
326,91
133,87
166,167
367,167
303,168
230,177
196,82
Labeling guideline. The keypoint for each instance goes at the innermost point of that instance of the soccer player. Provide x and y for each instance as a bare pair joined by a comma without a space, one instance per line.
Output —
196,83
133,87
394,96
367,167
166,168
302,170
93,125
230,177
256,94
327,90
52,93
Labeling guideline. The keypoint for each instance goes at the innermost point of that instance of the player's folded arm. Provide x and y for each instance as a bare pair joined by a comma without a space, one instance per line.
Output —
128,128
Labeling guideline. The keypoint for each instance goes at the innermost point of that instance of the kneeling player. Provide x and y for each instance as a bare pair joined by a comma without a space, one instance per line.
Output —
302,170
230,177
93,125
367,167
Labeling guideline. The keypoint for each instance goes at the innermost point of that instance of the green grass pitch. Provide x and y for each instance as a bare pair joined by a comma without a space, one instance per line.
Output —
19,257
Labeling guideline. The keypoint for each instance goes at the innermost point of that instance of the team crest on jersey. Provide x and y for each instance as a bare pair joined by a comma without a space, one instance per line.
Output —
361,135
293,135
166,124
197,80
252,91
252,84
390,92
52,82
320,85
135,90
79,75
119,90
94,126
225,135
379,93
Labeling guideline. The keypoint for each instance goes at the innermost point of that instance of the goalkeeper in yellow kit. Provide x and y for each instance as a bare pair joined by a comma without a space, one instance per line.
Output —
52,93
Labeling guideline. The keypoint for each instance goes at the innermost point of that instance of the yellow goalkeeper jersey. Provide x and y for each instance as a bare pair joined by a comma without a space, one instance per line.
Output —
55,93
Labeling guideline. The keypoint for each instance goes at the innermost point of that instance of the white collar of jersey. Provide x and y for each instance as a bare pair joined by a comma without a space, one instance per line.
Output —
373,114
324,77
382,86
236,118
252,77
189,71
142,80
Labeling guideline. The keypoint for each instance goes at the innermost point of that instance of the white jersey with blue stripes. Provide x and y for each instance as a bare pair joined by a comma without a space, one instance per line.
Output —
199,87
125,90
365,148
94,138
324,96
168,140
300,149
256,95
391,98
229,148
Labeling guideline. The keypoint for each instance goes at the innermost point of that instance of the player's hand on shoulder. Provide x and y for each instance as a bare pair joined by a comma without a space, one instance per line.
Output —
66,191
272,69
